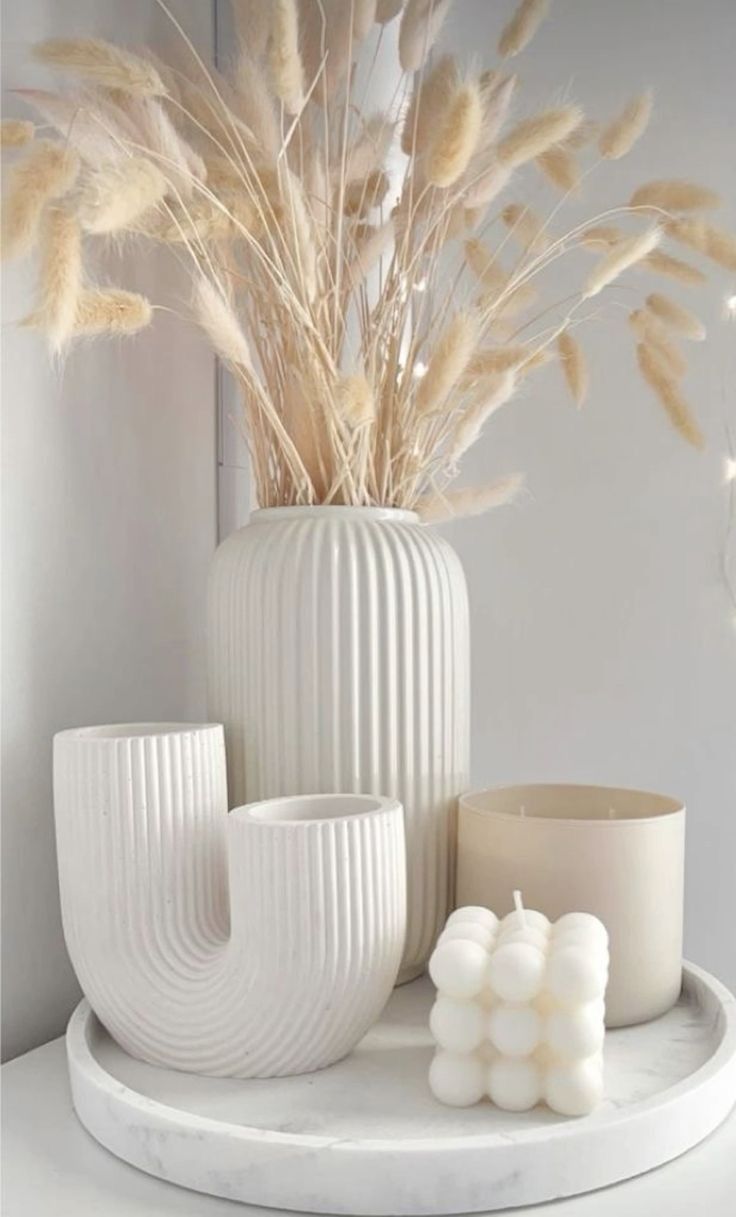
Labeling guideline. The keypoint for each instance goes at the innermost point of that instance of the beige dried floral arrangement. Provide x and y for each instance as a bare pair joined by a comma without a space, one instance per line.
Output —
369,288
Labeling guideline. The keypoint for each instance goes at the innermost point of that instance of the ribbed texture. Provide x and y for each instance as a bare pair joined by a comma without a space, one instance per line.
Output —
339,661
317,909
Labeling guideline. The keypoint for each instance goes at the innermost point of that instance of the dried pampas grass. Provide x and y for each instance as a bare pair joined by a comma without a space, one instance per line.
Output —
619,137
47,172
102,64
676,316
457,137
534,136
675,195
16,133
60,277
522,27
525,227
715,243
651,331
285,61
482,261
119,194
470,500
574,367
496,390
356,403
112,311
659,377
620,257
220,323
421,22
447,362
673,268
560,168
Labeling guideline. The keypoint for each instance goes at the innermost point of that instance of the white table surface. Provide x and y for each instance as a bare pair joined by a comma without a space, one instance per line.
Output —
53,1168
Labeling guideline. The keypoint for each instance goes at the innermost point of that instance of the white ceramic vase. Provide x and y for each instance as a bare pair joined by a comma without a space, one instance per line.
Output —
286,973
339,660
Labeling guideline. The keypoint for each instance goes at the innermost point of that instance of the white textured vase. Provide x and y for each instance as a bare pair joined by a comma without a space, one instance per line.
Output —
283,975
339,660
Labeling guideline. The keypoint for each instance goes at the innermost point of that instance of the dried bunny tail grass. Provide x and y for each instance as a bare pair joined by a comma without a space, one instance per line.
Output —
218,320
370,248
252,25
47,172
368,151
430,97
362,196
673,268
60,277
287,72
487,185
112,311
619,137
102,64
526,227
522,27
482,262
386,10
715,243
355,401
650,330
494,393
364,16
497,100
620,257
601,236
421,22
447,362
574,366
470,500
658,375
533,136
16,133
457,136
498,359
255,105
675,195
560,168
119,194
676,317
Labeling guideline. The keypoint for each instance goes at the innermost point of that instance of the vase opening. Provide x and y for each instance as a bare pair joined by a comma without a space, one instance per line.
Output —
607,805
397,515
305,809
113,731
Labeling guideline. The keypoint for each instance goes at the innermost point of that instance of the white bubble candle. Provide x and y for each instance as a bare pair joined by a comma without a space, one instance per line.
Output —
519,1016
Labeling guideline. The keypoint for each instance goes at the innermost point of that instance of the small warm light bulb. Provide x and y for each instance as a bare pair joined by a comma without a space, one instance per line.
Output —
729,469
730,303
421,285
420,370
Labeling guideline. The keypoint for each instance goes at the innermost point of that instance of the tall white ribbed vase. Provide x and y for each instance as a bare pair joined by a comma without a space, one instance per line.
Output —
339,660
255,944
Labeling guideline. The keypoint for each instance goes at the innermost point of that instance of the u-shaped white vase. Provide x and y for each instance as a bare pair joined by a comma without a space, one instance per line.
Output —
255,944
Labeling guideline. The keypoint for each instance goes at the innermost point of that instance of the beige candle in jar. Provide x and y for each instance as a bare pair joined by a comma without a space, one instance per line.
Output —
618,854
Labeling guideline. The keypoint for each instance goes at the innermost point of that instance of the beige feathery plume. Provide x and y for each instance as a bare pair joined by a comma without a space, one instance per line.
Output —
482,262
715,243
16,133
362,196
102,64
560,168
447,362
421,22
650,330
619,137
60,277
601,236
430,98
372,243
673,268
574,366
526,227
485,186
491,395
386,10
676,316
496,99
113,311
364,15
497,359
356,403
47,172
522,27
470,500
659,377
619,258
533,136
368,151
255,105
456,138
118,194
287,72
252,25
219,322
509,304
675,195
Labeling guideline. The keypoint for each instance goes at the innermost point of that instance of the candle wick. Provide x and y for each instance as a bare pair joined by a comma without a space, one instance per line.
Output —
519,906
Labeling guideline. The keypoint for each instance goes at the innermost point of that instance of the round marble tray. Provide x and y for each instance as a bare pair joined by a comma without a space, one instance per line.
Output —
366,1137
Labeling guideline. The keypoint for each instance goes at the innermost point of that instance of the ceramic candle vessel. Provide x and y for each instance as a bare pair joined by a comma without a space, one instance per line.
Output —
256,944
618,854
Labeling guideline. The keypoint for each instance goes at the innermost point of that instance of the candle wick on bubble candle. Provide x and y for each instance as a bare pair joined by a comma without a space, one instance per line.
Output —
519,906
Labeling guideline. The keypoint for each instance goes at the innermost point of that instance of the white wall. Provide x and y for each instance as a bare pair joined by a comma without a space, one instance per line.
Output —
109,522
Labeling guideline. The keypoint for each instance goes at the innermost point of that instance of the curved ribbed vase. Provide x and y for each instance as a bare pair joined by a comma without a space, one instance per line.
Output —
283,975
339,660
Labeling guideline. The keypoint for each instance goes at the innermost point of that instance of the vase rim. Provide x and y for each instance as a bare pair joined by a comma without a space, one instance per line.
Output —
548,803
114,732
307,810
397,515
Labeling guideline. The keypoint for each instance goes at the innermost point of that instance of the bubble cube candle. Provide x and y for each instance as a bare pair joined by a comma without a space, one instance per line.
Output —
519,1015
